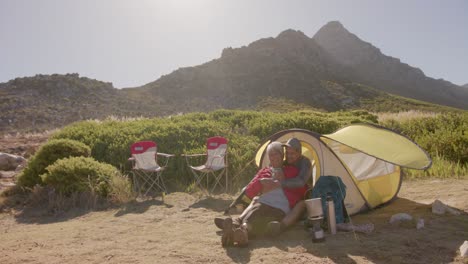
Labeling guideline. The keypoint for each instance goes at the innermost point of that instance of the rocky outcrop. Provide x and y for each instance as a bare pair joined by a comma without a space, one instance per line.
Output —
368,65
9,162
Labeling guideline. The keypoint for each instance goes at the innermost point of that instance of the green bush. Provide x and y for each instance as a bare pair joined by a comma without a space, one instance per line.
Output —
445,135
441,168
110,140
47,155
80,174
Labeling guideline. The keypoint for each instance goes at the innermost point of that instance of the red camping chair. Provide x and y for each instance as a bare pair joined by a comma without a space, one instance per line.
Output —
147,174
215,165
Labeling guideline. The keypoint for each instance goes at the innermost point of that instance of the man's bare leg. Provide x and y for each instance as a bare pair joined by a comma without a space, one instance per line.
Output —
275,227
294,215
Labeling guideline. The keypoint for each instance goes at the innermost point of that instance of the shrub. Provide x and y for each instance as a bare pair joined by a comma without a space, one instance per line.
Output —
80,174
443,135
441,168
47,155
110,140
120,189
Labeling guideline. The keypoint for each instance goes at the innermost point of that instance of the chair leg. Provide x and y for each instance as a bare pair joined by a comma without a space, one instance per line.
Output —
146,182
217,179
136,184
198,181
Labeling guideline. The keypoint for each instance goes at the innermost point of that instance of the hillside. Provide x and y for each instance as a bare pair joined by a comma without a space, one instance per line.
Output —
297,67
371,67
334,70
50,101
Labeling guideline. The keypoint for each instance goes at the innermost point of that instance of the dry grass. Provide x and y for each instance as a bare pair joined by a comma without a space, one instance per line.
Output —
18,135
119,118
404,116
121,190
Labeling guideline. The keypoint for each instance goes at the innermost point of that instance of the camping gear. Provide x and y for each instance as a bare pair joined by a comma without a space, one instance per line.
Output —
331,187
146,173
331,216
315,218
367,158
215,165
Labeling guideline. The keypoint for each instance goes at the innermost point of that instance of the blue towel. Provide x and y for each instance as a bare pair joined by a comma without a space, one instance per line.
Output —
331,186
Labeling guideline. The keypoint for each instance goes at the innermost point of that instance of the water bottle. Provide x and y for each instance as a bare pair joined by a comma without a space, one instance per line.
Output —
331,215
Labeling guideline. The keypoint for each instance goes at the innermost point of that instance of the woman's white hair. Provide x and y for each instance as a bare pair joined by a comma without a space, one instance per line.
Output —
276,147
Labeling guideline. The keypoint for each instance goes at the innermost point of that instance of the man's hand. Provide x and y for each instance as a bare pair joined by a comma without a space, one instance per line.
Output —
269,184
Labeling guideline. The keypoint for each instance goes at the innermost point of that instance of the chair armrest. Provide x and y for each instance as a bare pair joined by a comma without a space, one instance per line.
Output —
165,155
131,159
193,155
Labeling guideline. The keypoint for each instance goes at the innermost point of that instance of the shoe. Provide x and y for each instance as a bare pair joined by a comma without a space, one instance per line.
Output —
273,228
240,237
219,222
228,233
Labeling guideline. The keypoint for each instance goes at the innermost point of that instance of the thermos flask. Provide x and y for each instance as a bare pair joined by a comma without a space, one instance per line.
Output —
331,215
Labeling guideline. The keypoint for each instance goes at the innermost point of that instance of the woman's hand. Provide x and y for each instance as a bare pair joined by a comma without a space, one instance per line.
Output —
279,175
269,184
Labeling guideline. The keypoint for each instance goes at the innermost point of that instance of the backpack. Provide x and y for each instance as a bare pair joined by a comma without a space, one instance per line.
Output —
331,186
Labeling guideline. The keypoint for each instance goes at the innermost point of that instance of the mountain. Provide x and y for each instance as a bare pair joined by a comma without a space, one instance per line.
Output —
291,66
389,74
49,101
334,70
297,67
465,85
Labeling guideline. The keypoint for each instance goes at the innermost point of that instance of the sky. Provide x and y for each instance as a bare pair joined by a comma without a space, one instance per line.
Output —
131,43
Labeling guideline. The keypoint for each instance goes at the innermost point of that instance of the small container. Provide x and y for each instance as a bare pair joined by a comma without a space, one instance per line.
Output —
314,207
331,215
274,172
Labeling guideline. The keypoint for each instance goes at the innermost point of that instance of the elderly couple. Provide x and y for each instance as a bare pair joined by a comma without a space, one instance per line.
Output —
278,190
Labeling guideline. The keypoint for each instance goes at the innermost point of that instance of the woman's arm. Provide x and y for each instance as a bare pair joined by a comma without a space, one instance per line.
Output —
302,178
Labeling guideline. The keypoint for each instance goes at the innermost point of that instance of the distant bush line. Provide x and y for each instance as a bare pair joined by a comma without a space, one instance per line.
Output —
444,136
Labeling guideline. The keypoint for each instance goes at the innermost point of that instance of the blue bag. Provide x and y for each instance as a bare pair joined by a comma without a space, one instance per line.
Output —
331,186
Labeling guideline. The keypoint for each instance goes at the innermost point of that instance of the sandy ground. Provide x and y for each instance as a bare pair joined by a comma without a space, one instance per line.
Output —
181,230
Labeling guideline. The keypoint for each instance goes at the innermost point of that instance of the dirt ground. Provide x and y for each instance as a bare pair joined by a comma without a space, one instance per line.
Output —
181,230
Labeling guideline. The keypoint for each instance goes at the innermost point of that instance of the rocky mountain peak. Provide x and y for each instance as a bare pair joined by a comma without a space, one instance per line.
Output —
334,27
344,45
291,35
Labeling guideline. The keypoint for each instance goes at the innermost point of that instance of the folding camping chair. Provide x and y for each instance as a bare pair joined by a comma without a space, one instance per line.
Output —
215,165
147,174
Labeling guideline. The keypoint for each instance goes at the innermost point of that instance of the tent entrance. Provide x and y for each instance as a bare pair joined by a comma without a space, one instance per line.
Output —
309,152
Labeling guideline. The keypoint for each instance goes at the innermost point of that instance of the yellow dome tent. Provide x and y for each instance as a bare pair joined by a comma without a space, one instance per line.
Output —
368,159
